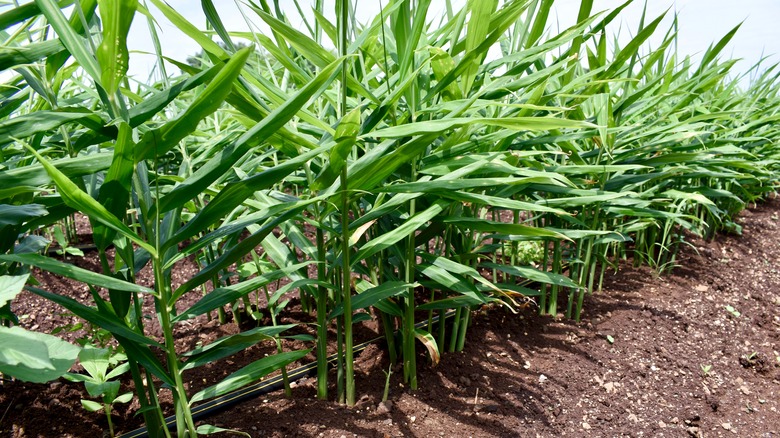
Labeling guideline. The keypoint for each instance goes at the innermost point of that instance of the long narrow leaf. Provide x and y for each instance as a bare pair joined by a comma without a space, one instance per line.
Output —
78,199
249,374
74,272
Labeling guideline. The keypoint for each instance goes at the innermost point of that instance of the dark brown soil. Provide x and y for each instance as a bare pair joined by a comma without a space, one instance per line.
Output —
653,356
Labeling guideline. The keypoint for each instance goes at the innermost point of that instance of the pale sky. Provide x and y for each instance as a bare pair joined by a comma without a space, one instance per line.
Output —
701,22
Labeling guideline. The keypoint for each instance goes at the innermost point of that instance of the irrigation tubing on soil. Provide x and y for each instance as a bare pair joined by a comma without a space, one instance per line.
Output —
212,407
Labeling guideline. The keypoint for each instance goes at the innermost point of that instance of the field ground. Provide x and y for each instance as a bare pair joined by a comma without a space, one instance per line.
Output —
653,356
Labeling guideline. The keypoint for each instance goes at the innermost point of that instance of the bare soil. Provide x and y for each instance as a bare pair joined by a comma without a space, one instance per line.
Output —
652,356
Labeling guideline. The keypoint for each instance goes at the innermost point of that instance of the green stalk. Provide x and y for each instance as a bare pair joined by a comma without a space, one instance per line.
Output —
162,428
340,395
574,275
235,309
495,241
464,325
342,8
441,338
183,413
165,308
514,244
221,314
387,321
650,245
641,238
150,407
322,327
247,305
553,304
387,327
210,257
588,269
594,263
603,270
346,291
410,365
107,410
543,289
455,330
285,378
151,414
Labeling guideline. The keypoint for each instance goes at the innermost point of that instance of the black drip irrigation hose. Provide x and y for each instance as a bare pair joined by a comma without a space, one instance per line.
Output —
266,386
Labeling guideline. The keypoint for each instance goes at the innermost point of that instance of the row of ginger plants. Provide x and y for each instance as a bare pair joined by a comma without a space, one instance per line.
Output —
425,164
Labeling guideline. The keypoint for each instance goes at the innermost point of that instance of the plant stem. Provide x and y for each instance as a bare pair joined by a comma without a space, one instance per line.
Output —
322,328
183,413
346,289
107,409
556,268
464,325
342,12
386,393
151,412
455,329
387,323
543,289
410,365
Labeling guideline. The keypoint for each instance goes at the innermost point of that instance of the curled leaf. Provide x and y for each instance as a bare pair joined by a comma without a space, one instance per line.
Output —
430,343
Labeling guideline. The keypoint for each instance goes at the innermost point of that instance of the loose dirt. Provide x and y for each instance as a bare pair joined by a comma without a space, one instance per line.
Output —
694,353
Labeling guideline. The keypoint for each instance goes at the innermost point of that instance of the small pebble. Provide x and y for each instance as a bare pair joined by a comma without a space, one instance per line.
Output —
384,407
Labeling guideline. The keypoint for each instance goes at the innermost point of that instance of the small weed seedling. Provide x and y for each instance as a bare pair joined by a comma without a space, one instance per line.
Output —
96,362
734,312
388,373
705,370
64,245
